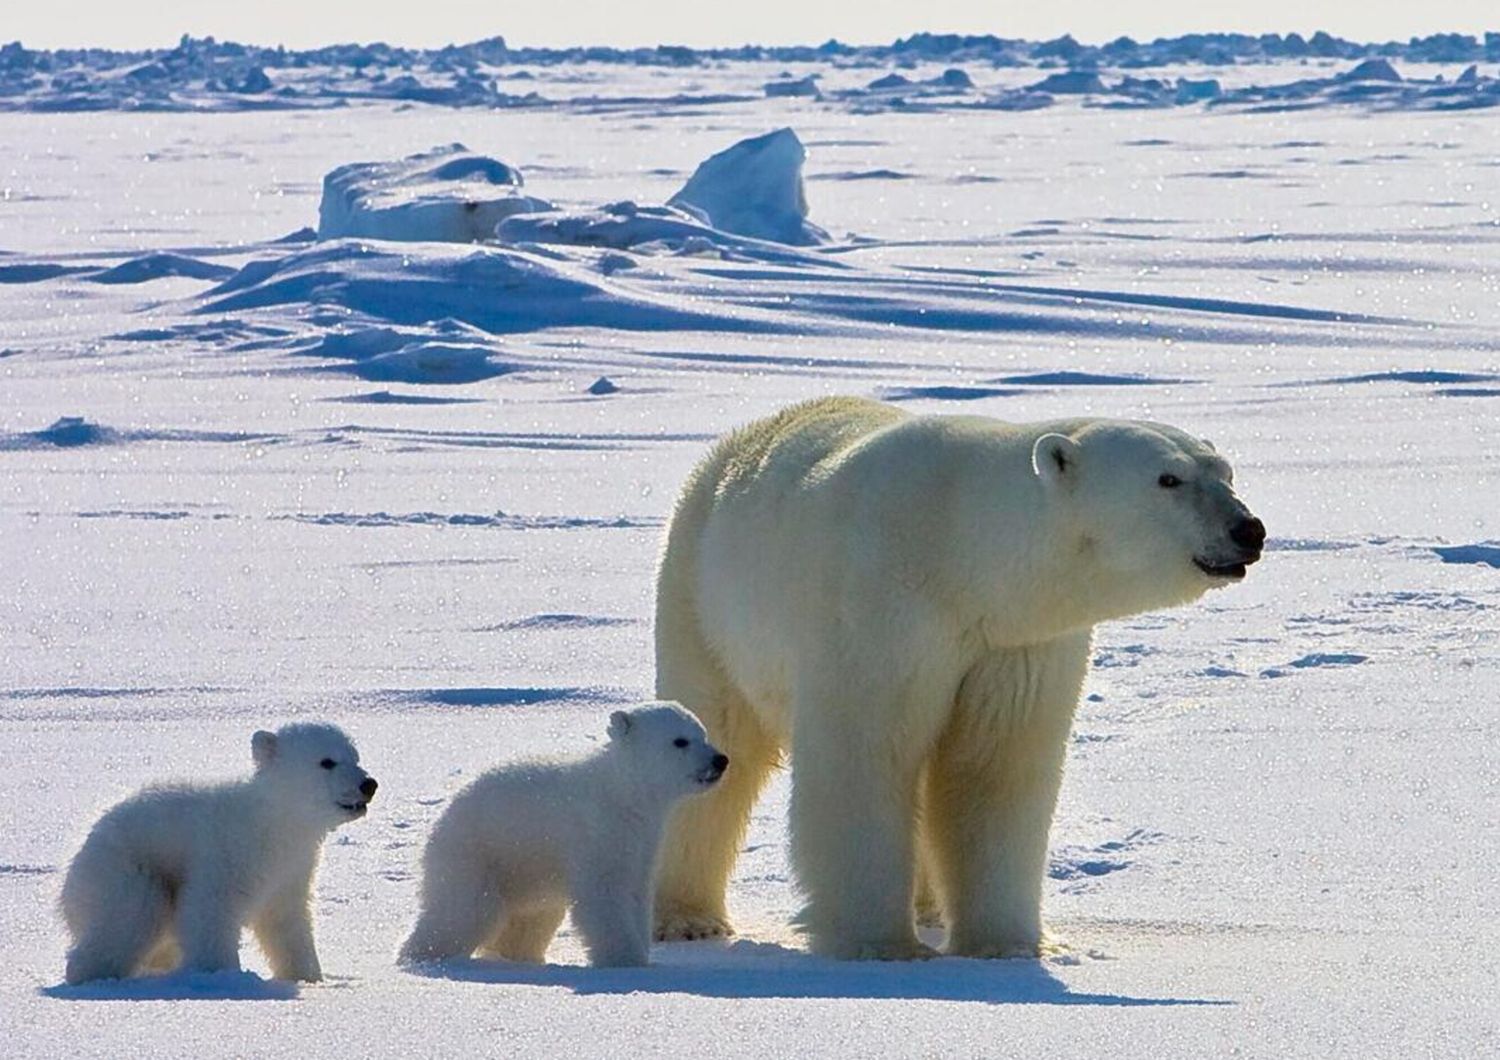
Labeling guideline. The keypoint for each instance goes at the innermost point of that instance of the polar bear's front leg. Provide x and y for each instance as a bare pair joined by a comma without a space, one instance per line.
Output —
612,911
853,816
284,930
991,792
210,911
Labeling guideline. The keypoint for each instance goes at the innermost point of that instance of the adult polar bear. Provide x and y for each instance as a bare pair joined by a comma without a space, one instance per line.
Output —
905,603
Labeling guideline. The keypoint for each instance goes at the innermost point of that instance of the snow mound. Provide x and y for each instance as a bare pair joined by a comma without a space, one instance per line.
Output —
754,188
69,432
626,225
447,194
497,289
456,354
159,266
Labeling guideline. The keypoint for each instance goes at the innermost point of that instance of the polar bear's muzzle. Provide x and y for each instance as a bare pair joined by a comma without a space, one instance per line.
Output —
1249,537
711,773
360,806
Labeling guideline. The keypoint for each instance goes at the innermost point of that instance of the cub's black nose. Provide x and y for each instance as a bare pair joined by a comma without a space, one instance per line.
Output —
721,762
1249,534
367,787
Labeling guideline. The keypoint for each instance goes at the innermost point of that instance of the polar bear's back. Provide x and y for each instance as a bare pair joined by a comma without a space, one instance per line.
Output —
525,821
163,822
158,831
779,451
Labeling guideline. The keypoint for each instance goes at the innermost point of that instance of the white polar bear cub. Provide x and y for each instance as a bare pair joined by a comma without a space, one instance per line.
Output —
905,604
521,841
171,875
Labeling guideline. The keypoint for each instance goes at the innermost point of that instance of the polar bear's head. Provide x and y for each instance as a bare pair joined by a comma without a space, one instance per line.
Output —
669,746
1154,517
314,771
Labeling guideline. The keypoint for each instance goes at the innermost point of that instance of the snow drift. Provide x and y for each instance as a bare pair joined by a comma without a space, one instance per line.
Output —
447,194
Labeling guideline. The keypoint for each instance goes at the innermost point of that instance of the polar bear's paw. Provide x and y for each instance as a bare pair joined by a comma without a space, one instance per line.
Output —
929,915
876,950
904,950
685,925
1047,947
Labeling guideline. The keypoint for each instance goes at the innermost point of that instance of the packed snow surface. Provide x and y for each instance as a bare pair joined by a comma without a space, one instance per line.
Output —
413,480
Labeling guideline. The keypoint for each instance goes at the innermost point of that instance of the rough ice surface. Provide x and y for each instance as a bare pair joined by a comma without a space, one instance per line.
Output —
927,72
1275,836
754,188
447,194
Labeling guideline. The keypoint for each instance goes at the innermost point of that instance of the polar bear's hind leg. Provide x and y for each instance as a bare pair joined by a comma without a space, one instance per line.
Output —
526,933
115,925
460,912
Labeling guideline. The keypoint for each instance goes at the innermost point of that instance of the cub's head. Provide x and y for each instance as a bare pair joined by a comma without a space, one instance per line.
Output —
1155,517
669,745
314,771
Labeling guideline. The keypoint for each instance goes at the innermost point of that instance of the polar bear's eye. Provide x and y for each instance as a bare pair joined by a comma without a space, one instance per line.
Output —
328,763
1169,481
681,741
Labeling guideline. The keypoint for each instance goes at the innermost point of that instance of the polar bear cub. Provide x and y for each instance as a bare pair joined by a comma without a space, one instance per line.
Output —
522,841
171,875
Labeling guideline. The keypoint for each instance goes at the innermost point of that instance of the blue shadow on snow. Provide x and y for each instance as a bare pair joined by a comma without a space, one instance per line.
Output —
764,970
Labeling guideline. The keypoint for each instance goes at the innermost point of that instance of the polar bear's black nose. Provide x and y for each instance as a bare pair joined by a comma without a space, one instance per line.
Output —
721,762
1249,534
367,787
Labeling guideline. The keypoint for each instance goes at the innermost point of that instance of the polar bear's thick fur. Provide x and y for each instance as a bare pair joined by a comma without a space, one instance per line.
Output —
905,604
171,875
523,840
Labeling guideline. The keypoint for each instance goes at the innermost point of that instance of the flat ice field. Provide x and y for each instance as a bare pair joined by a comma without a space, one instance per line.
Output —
417,488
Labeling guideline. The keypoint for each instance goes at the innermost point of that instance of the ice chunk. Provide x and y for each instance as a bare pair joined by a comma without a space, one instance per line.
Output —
754,188
1073,82
446,195
1372,70
802,86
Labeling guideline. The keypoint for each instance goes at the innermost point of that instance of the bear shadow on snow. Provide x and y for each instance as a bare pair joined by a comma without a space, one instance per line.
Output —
179,986
765,970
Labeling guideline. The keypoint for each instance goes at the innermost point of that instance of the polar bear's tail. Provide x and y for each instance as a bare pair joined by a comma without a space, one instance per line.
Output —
115,911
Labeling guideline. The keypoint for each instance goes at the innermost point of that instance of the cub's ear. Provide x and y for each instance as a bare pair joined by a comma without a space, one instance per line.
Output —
1208,445
263,748
619,724
1054,458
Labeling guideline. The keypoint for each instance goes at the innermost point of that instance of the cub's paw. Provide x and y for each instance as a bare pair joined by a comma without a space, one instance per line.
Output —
682,925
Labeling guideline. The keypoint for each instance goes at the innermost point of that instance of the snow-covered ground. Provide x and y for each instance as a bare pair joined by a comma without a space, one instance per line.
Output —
417,488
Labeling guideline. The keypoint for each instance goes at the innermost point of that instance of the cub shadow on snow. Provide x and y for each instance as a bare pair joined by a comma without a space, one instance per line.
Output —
765,970
179,986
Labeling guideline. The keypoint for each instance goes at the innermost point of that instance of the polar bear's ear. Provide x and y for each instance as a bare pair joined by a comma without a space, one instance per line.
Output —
1054,458
619,724
263,748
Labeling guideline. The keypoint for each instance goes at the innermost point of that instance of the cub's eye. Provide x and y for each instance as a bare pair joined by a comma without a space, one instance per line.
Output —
681,741
328,763
1169,482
